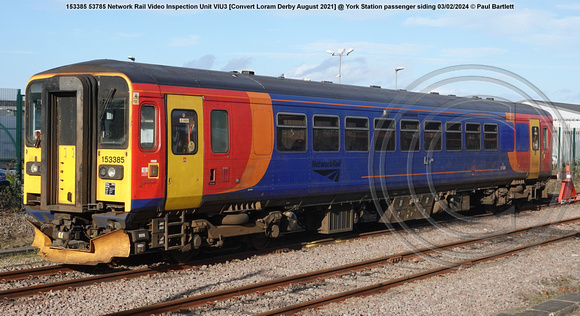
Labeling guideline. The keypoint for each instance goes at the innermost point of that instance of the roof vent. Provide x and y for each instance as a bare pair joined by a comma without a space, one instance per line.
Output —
375,86
243,72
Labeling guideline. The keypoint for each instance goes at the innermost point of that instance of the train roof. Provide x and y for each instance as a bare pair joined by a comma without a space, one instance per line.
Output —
242,81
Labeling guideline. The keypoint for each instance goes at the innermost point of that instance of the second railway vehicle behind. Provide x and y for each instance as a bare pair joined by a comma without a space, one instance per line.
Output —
129,158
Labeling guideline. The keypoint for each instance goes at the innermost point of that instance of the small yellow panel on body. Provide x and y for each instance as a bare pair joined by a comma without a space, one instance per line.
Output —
31,182
66,174
114,190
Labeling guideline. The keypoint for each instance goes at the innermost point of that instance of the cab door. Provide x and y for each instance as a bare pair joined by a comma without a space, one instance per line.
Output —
65,106
535,150
185,152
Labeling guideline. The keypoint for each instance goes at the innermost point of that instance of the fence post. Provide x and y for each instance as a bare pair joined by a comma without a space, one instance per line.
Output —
19,135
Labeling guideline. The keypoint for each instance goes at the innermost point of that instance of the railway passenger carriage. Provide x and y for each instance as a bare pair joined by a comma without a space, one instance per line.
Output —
128,158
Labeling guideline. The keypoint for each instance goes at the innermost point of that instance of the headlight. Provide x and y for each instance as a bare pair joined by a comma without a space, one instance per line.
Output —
33,168
111,172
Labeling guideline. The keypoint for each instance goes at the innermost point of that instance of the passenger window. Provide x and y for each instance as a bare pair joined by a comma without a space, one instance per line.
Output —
410,135
490,137
472,136
432,135
148,125
453,137
184,132
356,135
325,133
291,132
220,134
545,139
385,139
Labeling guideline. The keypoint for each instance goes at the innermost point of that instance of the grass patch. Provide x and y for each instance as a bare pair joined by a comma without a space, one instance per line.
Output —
554,287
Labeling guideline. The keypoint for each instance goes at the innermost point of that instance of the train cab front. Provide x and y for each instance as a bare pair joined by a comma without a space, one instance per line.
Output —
77,159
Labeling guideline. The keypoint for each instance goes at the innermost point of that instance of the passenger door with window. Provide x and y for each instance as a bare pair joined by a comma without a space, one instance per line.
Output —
184,152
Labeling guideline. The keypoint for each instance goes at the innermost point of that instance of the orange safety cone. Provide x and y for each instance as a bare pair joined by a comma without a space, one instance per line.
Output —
567,190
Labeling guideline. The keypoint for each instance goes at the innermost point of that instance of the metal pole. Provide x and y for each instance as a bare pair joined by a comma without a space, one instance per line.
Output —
573,163
559,144
19,134
339,67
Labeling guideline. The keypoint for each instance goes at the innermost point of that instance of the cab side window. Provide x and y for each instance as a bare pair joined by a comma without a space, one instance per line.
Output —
220,134
148,125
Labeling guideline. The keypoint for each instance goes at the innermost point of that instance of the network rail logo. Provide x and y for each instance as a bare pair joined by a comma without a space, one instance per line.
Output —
327,168
429,171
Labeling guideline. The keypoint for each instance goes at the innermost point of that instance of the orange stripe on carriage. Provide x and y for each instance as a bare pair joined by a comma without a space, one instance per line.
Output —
262,141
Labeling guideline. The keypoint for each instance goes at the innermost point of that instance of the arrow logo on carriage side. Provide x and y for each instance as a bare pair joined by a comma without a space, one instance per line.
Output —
332,174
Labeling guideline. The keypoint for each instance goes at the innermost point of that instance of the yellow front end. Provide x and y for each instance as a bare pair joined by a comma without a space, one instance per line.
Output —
77,183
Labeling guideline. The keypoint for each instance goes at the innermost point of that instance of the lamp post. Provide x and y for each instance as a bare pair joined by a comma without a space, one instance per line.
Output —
341,52
396,71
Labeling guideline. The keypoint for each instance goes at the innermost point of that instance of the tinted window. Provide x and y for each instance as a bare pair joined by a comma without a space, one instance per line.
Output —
410,135
113,113
453,136
472,136
184,132
385,139
33,111
291,132
220,136
545,139
356,134
148,130
535,138
325,133
432,135
490,136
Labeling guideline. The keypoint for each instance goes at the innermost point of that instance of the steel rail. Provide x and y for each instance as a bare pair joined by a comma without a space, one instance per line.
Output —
200,300
34,272
383,286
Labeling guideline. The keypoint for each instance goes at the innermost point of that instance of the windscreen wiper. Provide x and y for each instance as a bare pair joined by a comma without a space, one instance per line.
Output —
106,102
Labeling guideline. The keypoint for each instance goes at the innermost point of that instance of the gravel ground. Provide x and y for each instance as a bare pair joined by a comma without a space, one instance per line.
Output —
14,230
485,289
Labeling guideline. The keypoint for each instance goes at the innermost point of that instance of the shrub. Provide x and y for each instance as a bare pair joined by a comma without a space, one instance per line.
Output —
11,195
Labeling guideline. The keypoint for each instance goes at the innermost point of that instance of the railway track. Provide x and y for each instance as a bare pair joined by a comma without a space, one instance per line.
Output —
117,274
267,286
134,273
16,275
33,273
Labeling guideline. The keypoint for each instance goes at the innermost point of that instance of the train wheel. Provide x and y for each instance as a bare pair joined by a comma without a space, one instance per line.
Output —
185,256
258,241
180,257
